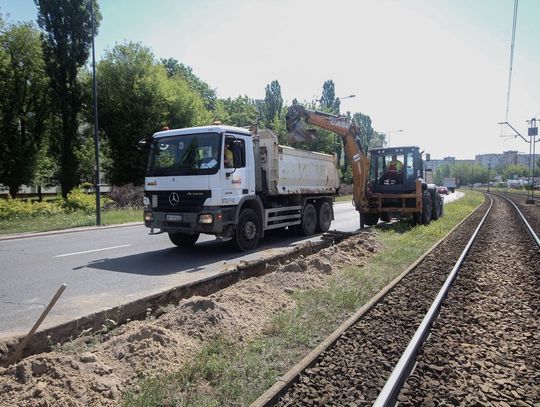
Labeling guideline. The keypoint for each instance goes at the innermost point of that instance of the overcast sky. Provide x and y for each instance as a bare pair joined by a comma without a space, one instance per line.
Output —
436,69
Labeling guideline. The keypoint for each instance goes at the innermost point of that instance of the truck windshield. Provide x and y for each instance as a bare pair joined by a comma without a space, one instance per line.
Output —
189,154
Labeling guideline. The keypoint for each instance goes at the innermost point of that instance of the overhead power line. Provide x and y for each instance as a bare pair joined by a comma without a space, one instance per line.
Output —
511,58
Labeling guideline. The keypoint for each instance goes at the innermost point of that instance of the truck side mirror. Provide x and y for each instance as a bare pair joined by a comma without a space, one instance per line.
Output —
145,143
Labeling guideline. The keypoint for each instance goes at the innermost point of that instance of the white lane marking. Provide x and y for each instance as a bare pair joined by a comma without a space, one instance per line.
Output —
95,250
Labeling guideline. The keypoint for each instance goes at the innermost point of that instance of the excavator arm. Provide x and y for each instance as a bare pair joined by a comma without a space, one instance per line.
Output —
344,128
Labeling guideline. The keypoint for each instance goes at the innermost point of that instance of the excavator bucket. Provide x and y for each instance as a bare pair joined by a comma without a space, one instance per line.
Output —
299,135
296,131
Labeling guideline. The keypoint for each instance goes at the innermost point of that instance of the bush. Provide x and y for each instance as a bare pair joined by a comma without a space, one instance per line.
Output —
127,195
11,209
77,199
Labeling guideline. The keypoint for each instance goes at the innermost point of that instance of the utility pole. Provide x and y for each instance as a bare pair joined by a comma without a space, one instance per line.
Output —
96,137
532,133
489,176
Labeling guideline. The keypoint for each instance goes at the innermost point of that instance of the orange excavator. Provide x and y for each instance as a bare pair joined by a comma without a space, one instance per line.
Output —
390,183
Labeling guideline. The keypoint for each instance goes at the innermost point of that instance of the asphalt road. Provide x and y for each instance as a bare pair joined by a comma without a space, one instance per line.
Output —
104,268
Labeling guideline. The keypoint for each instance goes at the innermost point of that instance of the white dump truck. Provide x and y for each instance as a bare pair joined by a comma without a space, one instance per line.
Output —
227,182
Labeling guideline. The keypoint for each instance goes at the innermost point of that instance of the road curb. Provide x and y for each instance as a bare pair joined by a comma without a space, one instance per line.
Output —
25,235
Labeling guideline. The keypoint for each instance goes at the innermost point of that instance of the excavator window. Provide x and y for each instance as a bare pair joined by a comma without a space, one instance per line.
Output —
409,167
392,169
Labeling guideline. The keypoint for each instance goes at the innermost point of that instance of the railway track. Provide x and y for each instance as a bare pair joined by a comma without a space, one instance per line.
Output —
484,349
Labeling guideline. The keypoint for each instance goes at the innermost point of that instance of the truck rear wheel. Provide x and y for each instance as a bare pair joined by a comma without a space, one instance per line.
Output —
309,220
183,239
325,217
247,232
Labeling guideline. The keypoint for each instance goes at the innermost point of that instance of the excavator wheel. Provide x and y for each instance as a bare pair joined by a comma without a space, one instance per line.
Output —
368,219
426,208
437,207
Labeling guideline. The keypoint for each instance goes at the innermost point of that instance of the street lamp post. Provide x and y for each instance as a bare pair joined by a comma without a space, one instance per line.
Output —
387,133
96,137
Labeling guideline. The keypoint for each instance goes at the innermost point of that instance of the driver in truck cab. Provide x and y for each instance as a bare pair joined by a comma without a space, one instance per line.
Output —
228,156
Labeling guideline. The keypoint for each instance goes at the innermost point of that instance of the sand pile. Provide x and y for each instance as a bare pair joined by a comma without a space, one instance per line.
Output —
156,346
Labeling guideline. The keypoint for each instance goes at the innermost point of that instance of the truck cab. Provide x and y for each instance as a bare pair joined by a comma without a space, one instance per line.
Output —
189,186
227,182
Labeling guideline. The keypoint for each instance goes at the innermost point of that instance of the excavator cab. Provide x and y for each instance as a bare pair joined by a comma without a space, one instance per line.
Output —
395,170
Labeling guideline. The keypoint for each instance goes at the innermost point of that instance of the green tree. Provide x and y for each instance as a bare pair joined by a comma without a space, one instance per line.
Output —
175,68
67,38
46,167
137,98
441,173
273,103
514,171
328,97
23,104
369,138
237,112
470,173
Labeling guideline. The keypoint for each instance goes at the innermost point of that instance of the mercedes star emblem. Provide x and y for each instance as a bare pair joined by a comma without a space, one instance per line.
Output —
174,199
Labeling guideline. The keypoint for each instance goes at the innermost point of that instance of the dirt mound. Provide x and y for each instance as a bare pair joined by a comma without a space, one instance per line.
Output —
237,312
98,375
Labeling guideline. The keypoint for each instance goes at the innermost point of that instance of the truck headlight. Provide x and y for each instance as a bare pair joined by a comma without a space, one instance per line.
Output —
148,216
206,218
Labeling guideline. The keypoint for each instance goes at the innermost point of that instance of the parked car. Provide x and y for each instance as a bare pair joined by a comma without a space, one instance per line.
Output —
443,190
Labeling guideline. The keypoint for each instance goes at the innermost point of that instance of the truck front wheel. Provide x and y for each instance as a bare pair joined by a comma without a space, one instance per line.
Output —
247,232
183,239
325,217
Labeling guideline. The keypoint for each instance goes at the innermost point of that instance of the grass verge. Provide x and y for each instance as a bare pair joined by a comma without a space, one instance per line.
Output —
344,198
69,220
224,373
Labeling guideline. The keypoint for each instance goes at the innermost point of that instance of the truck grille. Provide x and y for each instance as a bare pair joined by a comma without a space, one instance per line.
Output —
188,201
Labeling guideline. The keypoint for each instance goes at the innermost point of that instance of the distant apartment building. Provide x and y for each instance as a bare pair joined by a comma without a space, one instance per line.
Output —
433,164
510,157
436,163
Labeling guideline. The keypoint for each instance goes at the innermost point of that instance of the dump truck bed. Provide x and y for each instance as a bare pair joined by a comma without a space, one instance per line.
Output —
286,170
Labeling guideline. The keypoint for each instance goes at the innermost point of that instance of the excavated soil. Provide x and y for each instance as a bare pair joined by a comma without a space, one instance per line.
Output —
138,349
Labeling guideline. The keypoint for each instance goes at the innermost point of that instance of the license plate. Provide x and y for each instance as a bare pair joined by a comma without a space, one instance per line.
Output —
174,218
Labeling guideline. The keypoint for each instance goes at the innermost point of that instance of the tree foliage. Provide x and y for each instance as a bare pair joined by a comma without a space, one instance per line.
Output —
513,171
369,138
273,103
137,98
328,97
67,38
240,111
175,68
23,105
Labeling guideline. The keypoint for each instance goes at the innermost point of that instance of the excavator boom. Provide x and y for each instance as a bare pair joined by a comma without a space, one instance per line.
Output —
349,133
